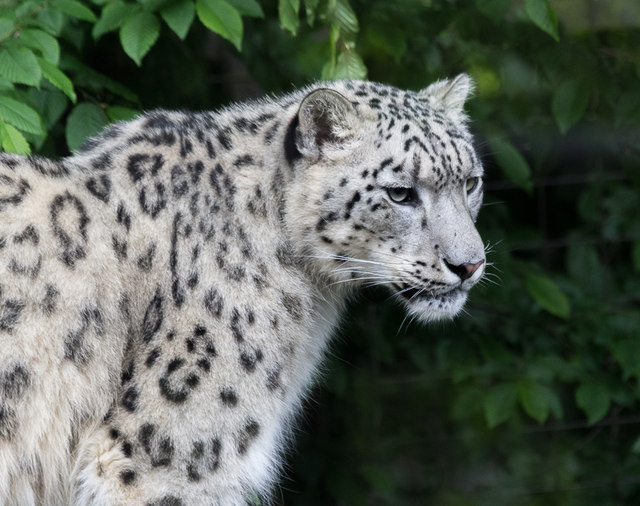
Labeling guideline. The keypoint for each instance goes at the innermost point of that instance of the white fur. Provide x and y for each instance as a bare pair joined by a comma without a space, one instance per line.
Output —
182,339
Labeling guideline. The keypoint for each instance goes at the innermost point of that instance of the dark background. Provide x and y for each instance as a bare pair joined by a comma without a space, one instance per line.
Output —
532,396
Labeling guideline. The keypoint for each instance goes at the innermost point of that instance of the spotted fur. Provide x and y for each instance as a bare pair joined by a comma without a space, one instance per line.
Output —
167,292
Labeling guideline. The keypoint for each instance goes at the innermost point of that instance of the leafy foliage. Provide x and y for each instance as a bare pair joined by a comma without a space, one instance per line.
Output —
543,15
34,34
222,18
533,398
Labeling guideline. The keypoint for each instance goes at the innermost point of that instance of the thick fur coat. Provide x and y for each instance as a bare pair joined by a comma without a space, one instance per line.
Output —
167,292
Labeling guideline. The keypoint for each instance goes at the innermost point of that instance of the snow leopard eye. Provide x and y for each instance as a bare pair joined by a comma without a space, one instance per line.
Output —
471,184
400,195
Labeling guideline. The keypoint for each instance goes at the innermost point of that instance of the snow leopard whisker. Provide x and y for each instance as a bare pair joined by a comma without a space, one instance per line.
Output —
373,262
413,317
351,280
491,275
400,292
496,203
348,270
363,274
395,294
417,294
494,266
368,276
489,247
379,283
354,268
486,282
345,259
401,324
396,256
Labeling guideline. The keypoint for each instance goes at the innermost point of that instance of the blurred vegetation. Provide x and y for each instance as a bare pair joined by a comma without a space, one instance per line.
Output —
533,396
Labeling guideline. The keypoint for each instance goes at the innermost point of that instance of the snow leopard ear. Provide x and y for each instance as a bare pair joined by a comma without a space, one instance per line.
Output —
451,94
325,119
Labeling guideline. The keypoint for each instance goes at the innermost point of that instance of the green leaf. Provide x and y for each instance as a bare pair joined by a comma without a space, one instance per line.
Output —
249,8
543,16
19,65
349,65
6,25
593,398
288,12
346,18
537,400
50,104
20,115
569,103
75,9
494,9
12,140
5,84
25,8
310,7
51,20
221,18
45,44
113,16
584,266
555,404
154,5
533,402
118,113
58,78
179,16
635,448
627,354
138,34
499,403
512,163
548,295
84,121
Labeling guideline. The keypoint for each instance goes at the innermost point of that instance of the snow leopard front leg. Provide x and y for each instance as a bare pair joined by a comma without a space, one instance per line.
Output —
198,416
213,375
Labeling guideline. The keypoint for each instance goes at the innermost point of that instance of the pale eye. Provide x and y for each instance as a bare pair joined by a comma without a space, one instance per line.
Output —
471,184
400,195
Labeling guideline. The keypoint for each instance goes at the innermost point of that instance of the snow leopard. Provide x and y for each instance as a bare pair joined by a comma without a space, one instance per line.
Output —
168,291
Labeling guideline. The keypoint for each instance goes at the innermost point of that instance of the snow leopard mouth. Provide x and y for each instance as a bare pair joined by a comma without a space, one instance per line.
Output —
427,305
413,294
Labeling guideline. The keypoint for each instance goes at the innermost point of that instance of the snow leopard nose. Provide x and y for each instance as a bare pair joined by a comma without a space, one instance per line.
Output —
464,271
